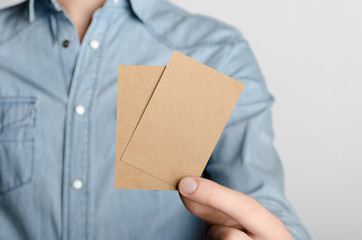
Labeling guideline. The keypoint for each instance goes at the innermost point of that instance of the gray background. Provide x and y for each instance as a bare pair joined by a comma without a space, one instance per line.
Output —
310,53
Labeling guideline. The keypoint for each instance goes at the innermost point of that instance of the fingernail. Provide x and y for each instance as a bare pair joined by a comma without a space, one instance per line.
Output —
188,185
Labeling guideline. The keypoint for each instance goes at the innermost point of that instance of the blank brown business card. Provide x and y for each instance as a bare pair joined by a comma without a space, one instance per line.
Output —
169,120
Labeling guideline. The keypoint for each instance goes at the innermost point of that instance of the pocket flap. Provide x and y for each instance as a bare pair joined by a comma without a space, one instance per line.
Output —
15,112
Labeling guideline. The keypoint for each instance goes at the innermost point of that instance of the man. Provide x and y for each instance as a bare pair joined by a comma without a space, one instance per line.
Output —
58,75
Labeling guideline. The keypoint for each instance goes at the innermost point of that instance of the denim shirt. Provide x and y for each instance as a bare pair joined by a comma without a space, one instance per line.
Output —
58,102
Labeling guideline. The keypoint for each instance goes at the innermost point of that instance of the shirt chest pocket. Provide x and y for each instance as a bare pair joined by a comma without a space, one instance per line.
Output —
17,130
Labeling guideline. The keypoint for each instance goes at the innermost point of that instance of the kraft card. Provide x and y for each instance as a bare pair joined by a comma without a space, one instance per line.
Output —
169,120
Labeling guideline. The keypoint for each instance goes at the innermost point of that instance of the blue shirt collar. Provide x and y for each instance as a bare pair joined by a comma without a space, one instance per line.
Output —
141,8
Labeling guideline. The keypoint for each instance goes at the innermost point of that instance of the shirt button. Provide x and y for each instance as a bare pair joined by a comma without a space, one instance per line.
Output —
94,44
77,184
66,43
80,110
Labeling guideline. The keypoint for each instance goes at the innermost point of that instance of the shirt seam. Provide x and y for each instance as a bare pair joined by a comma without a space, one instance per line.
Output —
22,29
148,14
149,27
171,45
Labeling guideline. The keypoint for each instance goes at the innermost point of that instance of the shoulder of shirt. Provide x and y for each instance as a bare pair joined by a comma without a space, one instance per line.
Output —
13,20
180,29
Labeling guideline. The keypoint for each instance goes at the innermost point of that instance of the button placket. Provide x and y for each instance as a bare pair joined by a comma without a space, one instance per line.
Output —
80,101
68,43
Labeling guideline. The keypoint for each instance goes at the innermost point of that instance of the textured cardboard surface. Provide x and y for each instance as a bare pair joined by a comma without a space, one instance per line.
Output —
169,120
135,87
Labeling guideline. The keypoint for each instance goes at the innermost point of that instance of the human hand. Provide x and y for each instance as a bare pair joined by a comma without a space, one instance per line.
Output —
230,213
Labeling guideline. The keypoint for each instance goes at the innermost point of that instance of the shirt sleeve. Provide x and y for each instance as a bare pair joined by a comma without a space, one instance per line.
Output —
245,158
